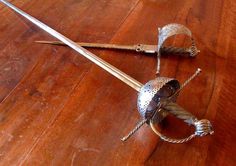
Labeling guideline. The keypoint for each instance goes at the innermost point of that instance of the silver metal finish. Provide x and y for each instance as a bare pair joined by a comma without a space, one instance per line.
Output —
140,124
153,96
149,101
153,107
202,127
171,30
103,64
151,93
143,48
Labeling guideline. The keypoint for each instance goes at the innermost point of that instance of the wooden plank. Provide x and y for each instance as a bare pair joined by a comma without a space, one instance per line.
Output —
95,145
48,85
59,109
14,43
211,102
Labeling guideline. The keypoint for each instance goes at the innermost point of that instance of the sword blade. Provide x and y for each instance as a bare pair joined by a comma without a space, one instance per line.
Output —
144,48
94,45
92,57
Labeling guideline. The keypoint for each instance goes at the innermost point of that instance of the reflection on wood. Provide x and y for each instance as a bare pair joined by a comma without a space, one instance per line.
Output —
58,108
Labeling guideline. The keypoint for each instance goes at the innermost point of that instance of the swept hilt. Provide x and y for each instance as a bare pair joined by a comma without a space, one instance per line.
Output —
172,30
167,105
202,127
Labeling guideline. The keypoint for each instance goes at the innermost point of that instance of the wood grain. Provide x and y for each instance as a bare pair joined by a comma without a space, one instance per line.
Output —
57,108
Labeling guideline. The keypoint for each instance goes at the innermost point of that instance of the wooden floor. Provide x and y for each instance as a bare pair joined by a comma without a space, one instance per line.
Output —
57,108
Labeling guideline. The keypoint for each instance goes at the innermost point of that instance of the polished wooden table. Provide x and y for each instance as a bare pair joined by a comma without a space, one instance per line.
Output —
58,108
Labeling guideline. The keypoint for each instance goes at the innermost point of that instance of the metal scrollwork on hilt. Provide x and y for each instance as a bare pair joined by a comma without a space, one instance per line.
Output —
156,98
171,30
202,127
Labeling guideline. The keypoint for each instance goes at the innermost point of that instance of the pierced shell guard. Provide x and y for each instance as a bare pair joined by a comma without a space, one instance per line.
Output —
151,93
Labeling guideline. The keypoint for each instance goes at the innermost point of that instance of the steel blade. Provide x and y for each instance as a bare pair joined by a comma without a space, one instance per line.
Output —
103,64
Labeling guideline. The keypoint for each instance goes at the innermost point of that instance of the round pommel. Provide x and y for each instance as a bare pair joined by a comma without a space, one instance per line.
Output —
203,127
150,95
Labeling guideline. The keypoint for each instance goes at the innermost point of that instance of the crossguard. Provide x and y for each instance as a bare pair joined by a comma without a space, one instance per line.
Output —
154,107
202,127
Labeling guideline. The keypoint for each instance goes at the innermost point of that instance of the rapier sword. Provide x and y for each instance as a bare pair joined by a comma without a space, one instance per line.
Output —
143,48
154,97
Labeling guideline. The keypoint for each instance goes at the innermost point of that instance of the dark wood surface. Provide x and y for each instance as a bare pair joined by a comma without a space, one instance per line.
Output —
57,108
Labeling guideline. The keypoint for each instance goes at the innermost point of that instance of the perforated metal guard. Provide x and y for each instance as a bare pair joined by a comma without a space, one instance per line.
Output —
151,93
